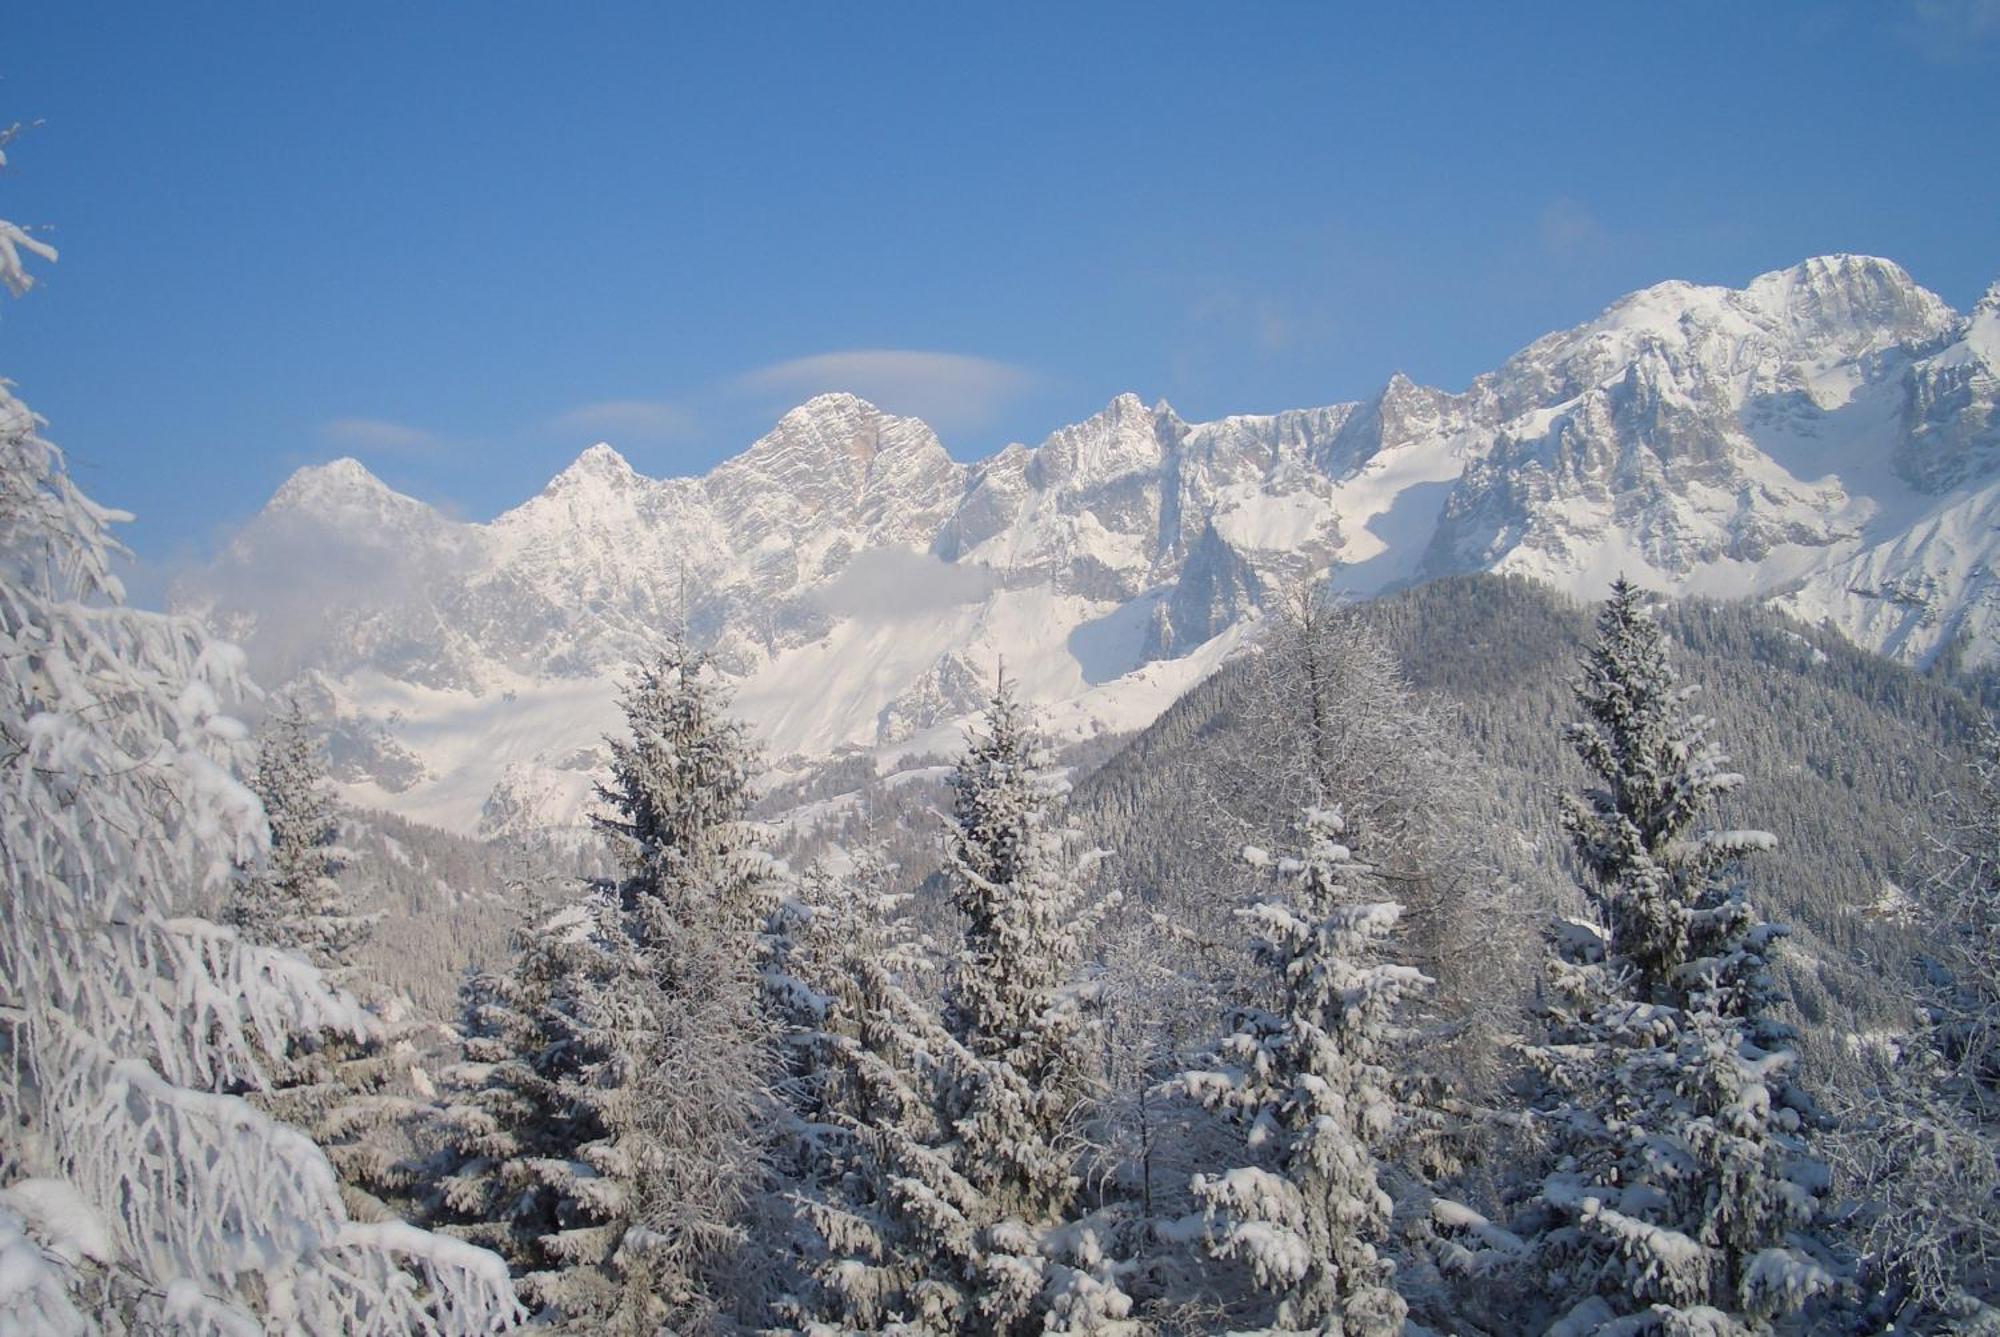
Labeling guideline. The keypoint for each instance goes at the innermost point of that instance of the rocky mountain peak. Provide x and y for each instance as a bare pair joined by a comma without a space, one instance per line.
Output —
337,487
1407,409
599,465
1988,305
1124,437
840,431
345,474
1951,405
1853,302
833,473
833,410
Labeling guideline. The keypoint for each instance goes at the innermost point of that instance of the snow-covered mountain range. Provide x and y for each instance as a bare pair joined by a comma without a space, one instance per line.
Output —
1824,437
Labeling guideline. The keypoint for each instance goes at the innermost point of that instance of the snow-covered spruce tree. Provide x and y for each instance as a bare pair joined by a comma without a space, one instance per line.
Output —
841,914
895,1218
353,1095
135,1195
1306,1082
696,897
962,1209
612,1131
510,1176
1014,875
1685,1194
835,916
291,899
799,952
1919,1146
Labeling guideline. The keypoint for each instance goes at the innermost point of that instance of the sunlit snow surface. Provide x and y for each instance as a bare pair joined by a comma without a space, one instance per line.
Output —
1823,437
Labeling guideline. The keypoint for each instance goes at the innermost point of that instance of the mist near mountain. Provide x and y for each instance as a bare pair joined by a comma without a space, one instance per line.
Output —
1822,439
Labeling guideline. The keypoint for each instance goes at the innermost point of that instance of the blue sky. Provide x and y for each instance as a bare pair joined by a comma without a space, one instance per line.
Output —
461,242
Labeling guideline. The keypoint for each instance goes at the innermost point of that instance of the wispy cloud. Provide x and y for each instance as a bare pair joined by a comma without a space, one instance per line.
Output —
1954,32
650,420
950,391
1570,231
888,582
286,569
378,435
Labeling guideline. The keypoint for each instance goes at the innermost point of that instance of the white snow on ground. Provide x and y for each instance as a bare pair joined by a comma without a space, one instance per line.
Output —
804,704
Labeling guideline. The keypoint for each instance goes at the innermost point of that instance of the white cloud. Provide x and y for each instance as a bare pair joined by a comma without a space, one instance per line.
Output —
893,583
628,419
285,569
950,391
378,434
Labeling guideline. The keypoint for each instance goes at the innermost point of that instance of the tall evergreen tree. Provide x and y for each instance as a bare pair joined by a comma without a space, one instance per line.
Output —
962,1209
354,1095
819,940
613,1130
894,1215
1307,1083
513,1177
292,899
695,898
1685,1193
1016,1106
1011,873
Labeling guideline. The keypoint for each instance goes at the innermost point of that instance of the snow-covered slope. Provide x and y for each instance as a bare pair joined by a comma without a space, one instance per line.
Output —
1824,437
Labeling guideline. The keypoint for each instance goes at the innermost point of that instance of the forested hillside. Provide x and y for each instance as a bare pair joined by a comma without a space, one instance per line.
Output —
1846,753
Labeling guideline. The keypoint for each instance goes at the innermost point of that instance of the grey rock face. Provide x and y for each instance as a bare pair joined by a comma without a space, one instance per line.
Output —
1217,587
